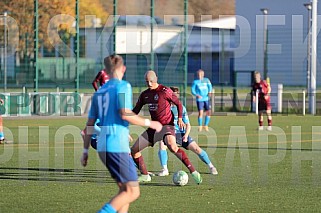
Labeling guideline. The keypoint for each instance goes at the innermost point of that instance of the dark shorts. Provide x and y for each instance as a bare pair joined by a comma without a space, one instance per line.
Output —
179,140
152,136
120,165
264,105
203,105
93,142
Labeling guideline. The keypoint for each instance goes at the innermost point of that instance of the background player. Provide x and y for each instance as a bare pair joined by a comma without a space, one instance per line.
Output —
112,106
102,77
2,139
159,99
201,88
264,102
183,139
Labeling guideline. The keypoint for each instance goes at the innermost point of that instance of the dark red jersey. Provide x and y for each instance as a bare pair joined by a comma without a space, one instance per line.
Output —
263,95
262,88
102,78
159,104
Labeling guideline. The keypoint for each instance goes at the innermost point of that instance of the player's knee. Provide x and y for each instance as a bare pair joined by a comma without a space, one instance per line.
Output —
136,193
134,152
173,147
133,192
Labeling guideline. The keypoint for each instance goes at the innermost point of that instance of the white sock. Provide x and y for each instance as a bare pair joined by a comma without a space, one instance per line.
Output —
165,167
210,165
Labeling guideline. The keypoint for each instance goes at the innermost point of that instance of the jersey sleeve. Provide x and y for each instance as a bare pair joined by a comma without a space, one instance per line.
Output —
93,112
194,88
96,80
185,116
125,96
139,104
209,86
266,87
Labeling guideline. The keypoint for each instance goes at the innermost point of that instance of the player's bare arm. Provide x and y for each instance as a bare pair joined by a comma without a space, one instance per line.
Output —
187,131
132,118
88,133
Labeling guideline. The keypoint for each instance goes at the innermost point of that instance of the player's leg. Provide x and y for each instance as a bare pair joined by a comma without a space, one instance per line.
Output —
202,154
122,169
269,118
269,113
260,120
163,158
1,131
170,141
200,108
141,143
207,108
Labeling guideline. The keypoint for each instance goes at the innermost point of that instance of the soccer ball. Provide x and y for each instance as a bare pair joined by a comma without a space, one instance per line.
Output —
180,178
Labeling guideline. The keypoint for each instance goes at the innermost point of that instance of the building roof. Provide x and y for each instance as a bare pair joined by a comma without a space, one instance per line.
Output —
224,22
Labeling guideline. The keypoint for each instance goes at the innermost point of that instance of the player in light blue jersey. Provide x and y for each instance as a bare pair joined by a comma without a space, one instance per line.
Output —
183,139
201,88
112,105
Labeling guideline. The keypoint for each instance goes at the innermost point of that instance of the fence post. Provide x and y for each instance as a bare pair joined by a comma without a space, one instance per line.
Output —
257,102
303,102
213,101
280,93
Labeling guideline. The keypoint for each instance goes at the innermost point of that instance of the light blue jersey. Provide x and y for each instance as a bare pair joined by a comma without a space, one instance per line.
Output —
106,104
185,118
202,88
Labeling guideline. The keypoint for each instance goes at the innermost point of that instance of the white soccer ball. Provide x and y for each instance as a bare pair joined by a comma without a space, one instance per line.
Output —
180,178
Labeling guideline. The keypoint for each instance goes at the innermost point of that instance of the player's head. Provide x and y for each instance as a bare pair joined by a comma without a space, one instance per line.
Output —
200,74
257,77
114,64
175,90
151,79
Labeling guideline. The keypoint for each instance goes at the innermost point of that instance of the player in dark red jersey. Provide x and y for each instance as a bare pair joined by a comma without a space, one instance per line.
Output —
159,99
264,99
102,77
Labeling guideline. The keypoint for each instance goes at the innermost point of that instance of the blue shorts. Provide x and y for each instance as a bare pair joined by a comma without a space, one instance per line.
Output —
120,165
93,142
179,140
203,105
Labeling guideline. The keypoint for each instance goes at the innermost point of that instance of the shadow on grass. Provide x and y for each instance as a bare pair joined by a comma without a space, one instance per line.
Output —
55,175
259,148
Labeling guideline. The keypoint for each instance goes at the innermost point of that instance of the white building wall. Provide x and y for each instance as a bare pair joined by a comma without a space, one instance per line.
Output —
287,24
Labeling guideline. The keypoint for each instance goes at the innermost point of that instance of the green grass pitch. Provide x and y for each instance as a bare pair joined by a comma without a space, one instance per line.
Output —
276,171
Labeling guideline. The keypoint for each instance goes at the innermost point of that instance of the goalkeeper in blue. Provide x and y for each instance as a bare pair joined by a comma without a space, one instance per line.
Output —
183,139
201,88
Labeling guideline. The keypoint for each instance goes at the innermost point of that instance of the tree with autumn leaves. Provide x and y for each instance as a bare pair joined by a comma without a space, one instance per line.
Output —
51,21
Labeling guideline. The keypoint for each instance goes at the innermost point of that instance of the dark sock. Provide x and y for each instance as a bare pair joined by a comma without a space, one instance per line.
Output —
180,154
261,123
141,165
269,122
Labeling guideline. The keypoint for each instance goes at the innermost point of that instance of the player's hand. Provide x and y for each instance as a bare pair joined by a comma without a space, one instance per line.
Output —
185,138
156,125
1,101
198,96
130,138
180,123
84,159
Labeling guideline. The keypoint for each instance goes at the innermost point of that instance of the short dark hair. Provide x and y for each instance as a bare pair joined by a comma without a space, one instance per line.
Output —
113,62
175,89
